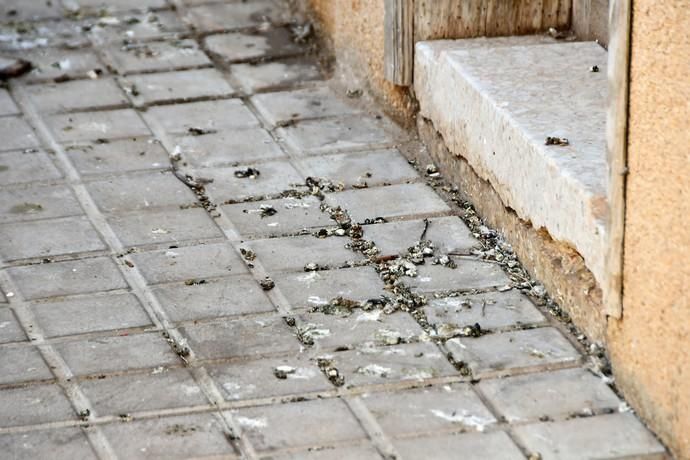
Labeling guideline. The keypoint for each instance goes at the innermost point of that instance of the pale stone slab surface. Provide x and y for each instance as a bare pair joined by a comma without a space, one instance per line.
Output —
469,274
275,177
86,126
559,96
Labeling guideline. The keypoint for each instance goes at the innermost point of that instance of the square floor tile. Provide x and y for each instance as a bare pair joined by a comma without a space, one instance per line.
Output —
22,167
30,203
556,394
241,338
309,423
313,289
55,443
275,177
294,253
388,202
254,77
449,235
249,46
168,226
312,137
213,116
385,365
22,364
117,354
505,351
77,95
229,147
293,215
90,314
469,274
16,134
189,262
377,167
65,278
114,156
177,86
287,106
213,299
429,410
135,27
218,17
360,330
10,329
47,238
7,105
140,192
86,126
155,390
258,379
157,56
491,310
178,437
56,63
34,404
496,445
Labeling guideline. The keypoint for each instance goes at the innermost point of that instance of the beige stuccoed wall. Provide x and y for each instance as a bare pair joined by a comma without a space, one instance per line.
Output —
354,30
650,346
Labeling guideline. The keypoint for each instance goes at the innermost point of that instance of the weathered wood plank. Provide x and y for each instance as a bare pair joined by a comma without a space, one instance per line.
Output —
436,19
399,41
617,143
502,17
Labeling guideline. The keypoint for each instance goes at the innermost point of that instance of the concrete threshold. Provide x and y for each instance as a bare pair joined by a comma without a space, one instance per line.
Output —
496,100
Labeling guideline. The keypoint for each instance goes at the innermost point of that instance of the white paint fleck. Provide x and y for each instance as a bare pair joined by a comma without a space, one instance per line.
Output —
252,423
464,418
375,370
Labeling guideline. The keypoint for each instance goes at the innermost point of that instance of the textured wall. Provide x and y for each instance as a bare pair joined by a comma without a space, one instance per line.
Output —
650,346
355,31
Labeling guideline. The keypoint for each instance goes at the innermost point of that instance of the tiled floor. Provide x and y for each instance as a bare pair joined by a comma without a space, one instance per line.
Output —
176,283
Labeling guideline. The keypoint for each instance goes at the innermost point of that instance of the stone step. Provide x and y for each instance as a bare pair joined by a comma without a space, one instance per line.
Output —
496,100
